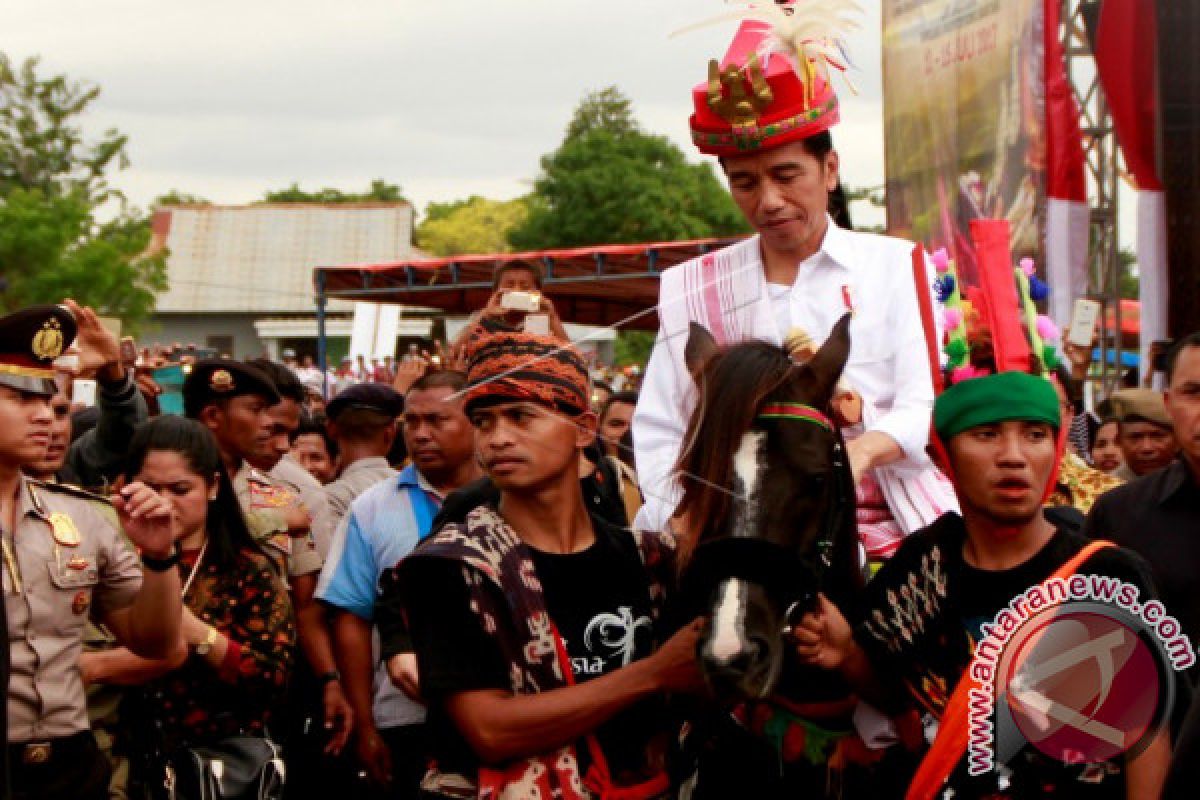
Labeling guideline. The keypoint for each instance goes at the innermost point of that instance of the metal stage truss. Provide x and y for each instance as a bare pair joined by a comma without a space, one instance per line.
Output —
1077,34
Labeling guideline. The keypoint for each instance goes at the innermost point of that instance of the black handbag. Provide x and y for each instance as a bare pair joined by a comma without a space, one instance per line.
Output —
237,768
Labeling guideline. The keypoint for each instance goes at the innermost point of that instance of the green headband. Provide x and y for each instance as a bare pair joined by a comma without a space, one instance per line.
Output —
995,398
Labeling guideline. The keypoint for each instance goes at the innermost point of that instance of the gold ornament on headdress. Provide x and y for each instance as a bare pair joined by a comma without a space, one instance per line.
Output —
727,95
809,33
48,342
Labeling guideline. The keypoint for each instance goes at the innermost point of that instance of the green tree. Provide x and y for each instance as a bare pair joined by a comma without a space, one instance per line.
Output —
177,198
633,347
380,191
53,179
855,197
474,225
606,109
609,182
1129,284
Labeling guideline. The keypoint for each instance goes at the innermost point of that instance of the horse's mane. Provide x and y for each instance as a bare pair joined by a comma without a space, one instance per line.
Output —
732,386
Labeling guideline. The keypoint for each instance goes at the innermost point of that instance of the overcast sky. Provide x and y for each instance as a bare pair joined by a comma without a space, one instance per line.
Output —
228,98
447,98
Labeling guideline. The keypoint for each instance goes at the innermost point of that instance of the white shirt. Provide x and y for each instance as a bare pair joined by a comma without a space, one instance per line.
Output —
888,363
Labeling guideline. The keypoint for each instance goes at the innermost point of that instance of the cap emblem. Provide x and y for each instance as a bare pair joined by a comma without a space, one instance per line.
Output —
221,380
48,342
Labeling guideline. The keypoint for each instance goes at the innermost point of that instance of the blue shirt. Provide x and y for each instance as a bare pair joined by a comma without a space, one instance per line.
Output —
385,523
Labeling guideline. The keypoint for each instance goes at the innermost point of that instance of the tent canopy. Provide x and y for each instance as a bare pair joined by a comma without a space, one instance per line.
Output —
601,285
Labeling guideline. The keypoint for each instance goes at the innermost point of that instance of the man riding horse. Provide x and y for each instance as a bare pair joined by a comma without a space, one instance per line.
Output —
766,112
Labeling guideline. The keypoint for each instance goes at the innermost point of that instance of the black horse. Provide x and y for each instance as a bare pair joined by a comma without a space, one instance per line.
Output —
768,508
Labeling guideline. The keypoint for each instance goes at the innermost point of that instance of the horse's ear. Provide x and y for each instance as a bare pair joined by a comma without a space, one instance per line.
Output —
830,360
700,349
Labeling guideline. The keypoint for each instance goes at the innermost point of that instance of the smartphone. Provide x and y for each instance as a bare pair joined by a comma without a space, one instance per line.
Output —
129,353
83,392
521,301
537,324
1083,322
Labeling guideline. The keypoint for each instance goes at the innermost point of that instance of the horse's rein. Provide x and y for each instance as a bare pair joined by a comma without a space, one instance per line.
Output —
802,412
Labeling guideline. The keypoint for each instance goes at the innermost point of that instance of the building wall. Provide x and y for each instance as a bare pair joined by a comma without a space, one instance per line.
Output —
197,328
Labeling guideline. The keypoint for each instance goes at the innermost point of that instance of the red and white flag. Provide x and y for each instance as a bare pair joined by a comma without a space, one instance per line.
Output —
1126,47
1066,190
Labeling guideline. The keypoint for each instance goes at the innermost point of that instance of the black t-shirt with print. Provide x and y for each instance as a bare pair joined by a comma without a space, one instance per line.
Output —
598,600
923,616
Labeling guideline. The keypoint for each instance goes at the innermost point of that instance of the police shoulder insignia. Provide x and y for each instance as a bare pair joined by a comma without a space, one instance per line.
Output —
71,489
268,495
64,530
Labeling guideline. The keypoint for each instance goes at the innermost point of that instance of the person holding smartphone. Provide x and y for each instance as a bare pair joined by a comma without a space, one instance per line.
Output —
95,458
516,304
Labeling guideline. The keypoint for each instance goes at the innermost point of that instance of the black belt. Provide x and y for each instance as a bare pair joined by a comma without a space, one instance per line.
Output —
49,751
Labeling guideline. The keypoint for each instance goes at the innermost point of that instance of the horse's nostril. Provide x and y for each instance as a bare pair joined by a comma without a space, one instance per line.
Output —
728,663
744,659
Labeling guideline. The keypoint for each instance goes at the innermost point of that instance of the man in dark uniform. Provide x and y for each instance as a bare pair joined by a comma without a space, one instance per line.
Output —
61,555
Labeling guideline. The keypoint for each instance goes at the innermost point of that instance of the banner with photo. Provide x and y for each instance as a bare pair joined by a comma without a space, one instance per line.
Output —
965,121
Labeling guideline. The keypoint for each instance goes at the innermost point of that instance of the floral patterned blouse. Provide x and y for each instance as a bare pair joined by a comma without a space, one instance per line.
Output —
202,704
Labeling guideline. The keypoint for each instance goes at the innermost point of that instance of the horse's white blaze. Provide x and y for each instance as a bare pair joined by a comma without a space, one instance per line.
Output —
727,641
747,468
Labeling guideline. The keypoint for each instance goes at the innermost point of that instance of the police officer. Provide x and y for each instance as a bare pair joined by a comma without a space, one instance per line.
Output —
233,399
60,557
362,420
103,699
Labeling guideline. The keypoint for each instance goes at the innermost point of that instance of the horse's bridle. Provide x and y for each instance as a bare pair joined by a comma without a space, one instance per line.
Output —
834,512
770,565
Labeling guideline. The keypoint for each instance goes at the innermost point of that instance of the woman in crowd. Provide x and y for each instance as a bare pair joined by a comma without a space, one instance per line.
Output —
1106,453
237,618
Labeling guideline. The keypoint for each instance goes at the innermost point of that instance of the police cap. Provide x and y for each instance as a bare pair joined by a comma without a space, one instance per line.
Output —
372,396
1140,405
30,340
214,379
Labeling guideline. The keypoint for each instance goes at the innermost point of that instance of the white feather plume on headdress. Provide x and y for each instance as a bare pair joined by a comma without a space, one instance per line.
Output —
808,32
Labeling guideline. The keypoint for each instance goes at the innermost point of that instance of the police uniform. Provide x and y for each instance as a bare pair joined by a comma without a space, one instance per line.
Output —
62,558
293,477
263,500
62,561
104,699
358,476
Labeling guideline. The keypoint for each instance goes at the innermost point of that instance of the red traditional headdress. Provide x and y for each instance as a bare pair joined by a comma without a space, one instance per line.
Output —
774,85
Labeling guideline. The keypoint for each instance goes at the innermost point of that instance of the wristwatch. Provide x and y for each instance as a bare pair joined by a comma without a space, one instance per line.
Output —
161,564
326,678
210,639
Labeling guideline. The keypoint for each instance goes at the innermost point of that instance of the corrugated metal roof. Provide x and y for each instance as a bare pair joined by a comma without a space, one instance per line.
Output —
260,258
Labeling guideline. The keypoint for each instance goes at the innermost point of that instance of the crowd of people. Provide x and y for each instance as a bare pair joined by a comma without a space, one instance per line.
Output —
307,617
450,575
286,512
